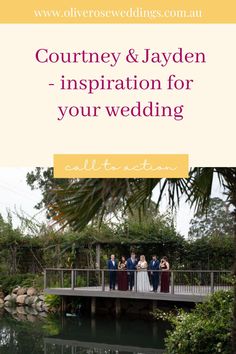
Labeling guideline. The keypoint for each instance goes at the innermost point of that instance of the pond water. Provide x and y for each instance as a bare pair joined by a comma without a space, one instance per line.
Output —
54,334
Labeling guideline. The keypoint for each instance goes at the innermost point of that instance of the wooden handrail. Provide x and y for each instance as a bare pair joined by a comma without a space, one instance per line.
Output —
131,270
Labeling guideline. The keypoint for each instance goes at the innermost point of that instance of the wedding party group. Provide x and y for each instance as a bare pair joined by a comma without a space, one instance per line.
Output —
139,274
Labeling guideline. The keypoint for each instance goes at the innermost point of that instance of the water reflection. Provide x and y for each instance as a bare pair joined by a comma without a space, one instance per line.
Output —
61,335
70,347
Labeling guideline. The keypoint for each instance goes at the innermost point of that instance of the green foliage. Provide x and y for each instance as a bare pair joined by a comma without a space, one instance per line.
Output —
228,279
9,282
53,301
80,281
42,178
21,254
217,220
210,252
93,199
206,329
85,202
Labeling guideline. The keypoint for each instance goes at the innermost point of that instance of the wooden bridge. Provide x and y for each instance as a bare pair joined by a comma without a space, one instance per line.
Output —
185,285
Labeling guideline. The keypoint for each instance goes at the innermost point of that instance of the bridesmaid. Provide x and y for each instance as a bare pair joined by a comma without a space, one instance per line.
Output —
122,275
165,275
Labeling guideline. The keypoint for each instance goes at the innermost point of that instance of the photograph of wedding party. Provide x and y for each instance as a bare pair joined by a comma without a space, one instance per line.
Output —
147,274
121,265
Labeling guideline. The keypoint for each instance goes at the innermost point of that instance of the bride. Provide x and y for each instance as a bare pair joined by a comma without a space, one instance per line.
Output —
142,275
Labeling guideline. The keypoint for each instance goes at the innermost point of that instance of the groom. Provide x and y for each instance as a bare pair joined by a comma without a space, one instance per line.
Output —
131,267
112,266
154,265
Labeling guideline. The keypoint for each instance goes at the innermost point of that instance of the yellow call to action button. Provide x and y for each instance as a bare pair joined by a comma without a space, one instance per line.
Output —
120,166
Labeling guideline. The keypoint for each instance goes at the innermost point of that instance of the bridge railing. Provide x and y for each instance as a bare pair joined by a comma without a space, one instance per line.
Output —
200,282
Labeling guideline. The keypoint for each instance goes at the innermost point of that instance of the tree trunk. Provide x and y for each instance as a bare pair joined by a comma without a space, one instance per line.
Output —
13,267
90,254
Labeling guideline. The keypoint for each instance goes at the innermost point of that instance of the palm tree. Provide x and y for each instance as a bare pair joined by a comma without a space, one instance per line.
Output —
89,200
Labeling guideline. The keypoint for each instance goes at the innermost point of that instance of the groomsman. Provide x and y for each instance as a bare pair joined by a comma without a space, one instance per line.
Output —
131,266
154,265
112,266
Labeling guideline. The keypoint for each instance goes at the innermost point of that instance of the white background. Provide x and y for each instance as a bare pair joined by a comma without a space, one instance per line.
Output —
31,134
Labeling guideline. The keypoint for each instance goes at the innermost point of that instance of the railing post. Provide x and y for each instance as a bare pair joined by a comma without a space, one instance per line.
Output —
103,281
135,280
212,282
72,279
45,278
172,283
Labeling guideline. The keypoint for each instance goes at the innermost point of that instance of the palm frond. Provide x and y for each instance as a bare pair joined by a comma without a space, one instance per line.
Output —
89,200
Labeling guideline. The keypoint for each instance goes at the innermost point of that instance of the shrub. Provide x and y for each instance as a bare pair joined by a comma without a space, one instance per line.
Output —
80,281
53,301
9,282
206,329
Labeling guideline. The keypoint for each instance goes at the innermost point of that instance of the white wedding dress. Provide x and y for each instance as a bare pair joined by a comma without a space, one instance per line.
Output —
143,283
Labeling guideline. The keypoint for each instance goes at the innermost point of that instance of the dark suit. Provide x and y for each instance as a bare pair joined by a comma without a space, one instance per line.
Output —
112,274
131,265
154,265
